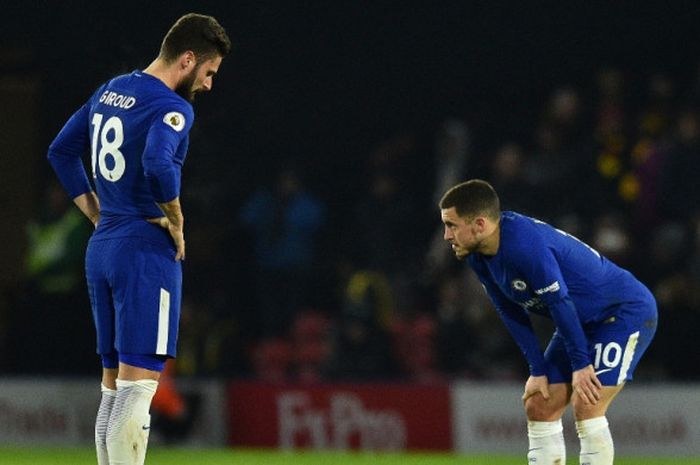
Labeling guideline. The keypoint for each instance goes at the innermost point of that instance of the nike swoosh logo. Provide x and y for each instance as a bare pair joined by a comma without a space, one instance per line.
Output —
146,427
603,371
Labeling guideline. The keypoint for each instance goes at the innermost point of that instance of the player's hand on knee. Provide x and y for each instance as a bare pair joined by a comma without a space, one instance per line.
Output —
536,384
586,384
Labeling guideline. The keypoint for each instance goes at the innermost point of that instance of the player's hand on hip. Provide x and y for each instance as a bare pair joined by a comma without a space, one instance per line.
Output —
536,384
175,232
586,384
160,221
179,238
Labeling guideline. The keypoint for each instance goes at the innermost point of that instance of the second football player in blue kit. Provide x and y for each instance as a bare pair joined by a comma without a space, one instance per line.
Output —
605,318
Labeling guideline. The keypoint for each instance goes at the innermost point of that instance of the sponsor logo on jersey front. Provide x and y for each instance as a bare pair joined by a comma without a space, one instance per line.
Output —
533,304
175,120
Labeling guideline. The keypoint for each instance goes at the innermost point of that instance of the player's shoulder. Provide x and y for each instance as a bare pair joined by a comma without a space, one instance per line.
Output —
101,94
520,235
174,110
123,92
164,103
518,228
122,83
161,94
151,88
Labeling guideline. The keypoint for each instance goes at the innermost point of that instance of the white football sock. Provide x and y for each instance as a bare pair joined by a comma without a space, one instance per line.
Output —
596,442
547,445
101,422
130,422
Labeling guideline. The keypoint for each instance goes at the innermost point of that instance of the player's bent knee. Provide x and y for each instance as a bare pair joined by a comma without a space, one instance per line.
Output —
539,409
138,366
584,411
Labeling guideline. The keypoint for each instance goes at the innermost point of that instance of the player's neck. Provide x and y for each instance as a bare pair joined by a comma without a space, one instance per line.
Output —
490,244
163,71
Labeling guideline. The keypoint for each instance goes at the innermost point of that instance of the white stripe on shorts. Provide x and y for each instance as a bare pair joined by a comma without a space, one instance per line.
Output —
163,323
628,356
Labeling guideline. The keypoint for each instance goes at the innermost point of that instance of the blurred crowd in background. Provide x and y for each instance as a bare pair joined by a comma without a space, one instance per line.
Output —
292,279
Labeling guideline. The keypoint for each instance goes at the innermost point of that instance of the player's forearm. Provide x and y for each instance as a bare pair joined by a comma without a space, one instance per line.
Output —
520,328
173,212
89,204
567,323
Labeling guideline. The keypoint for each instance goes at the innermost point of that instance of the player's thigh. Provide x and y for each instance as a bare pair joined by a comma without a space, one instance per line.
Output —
147,296
584,411
109,377
97,257
133,373
539,409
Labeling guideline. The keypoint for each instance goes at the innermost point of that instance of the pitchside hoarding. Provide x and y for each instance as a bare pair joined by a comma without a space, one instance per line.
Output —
644,420
62,411
385,417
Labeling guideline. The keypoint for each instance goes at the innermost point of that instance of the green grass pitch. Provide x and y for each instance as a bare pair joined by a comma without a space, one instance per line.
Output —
176,456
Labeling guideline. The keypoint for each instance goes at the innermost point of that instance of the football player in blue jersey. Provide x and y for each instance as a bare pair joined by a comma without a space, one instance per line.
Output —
136,128
604,317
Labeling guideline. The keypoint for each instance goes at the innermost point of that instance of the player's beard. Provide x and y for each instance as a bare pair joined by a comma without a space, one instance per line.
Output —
461,252
185,88
460,255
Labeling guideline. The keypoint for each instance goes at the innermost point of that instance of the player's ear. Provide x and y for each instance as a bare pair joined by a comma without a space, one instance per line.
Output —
188,60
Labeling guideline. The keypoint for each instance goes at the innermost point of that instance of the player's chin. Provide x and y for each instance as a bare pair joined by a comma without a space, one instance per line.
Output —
461,254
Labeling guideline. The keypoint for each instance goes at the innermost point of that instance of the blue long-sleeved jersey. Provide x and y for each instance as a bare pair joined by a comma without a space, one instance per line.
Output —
540,269
137,131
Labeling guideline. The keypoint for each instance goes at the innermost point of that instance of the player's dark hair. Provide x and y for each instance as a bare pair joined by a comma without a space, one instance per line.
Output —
472,198
201,34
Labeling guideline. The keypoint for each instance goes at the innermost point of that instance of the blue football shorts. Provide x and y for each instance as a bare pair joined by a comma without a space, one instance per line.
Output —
135,289
616,345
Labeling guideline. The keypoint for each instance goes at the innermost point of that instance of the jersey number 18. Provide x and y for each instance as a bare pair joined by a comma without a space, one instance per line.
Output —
107,146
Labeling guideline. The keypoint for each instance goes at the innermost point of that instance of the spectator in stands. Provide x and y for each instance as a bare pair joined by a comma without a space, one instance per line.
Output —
54,295
554,165
284,222
384,248
610,143
466,324
680,197
678,294
361,345
451,158
507,175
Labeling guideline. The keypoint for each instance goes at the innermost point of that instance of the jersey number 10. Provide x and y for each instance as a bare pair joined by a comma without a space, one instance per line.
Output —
610,355
107,146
